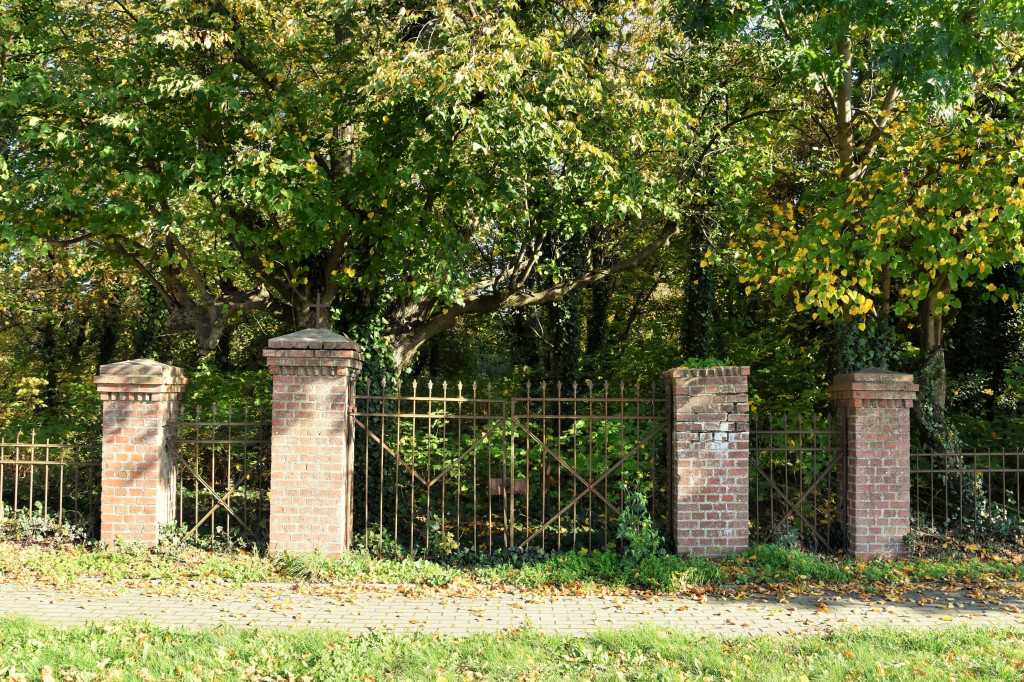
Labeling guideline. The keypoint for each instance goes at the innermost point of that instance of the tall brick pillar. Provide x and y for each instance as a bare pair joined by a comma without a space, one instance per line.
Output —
873,406
140,398
312,459
709,468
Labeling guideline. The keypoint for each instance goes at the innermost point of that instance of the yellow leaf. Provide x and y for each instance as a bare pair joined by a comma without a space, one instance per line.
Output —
862,326
973,548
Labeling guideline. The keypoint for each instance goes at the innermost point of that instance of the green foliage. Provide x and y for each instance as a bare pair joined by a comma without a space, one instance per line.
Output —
703,363
635,527
35,527
410,164
210,386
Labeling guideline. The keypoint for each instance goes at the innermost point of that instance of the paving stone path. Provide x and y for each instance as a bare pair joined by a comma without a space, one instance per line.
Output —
379,611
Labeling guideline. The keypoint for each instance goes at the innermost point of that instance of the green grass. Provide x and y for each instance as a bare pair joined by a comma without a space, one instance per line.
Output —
763,565
173,564
583,570
136,651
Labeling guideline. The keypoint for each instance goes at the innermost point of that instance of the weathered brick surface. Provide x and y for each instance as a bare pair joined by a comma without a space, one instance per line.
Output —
709,460
140,398
873,406
312,458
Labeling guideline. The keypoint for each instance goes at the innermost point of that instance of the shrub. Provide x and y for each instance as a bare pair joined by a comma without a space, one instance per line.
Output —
35,527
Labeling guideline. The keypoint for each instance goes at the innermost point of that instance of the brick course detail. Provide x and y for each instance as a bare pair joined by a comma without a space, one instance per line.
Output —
140,398
873,406
312,458
709,460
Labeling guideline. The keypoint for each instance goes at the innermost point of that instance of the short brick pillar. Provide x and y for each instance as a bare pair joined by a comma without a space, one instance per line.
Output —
873,407
311,451
709,460
140,398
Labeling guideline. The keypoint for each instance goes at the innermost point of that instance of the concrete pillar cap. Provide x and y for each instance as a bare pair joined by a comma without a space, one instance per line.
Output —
874,378
143,372
313,339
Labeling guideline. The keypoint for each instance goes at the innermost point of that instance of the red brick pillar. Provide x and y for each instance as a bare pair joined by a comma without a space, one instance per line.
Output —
709,467
315,373
140,398
873,406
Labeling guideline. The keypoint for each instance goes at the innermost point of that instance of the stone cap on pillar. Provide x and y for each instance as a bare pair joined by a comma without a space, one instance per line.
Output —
873,383
313,339
138,377
313,348
721,371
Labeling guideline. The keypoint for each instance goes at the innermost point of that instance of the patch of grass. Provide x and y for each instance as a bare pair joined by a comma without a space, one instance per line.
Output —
771,564
130,562
136,651
585,571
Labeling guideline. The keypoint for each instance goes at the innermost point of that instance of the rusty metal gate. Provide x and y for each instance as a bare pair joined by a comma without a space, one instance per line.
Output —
797,482
222,459
443,468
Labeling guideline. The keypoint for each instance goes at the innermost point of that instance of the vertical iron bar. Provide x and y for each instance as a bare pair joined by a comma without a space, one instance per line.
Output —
558,468
60,486
428,477
576,451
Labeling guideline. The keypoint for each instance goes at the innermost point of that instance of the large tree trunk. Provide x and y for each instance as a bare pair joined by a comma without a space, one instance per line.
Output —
699,306
929,412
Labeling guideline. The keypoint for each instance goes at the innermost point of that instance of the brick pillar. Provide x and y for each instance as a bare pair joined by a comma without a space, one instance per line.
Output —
140,397
709,467
312,458
873,406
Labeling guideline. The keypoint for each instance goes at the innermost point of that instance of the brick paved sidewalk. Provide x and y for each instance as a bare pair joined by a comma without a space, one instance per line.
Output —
370,611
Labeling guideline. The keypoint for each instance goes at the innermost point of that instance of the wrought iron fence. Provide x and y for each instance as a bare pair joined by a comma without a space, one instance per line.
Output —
980,492
442,467
797,481
223,474
59,480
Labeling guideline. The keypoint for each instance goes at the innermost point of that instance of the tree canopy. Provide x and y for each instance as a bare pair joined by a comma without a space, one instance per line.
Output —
553,188
409,164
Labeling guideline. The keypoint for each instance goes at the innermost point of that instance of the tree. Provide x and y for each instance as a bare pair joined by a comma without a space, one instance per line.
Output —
409,162
902,186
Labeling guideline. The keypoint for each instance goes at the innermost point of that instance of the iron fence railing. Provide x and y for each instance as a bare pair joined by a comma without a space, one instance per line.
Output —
981,492
444,467
223,474
797,491
57,480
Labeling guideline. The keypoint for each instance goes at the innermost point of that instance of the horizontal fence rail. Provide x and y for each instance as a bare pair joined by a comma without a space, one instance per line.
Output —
56,480
447,467
796,481
223,474
980,492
